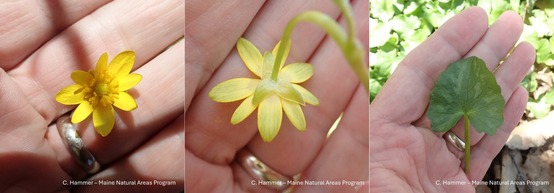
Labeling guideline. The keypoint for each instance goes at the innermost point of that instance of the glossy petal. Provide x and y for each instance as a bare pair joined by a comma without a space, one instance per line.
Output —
243,111
270,115
125,102
250,55
307,95
295,114
285,55
126,82
122,63
81,77
286,91
233,90
81,112
296,72
103,119
101,64
70,95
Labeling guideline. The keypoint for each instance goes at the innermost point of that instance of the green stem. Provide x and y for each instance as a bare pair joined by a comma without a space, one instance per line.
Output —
348,43
467,144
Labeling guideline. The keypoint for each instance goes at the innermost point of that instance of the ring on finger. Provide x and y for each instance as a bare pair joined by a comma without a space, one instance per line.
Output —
261,172
455,141
75,145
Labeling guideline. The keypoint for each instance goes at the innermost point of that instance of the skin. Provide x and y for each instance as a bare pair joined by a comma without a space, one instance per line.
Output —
42,43
212,142
403,150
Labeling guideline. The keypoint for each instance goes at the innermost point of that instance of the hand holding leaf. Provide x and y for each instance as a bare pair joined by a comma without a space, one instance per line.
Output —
467,88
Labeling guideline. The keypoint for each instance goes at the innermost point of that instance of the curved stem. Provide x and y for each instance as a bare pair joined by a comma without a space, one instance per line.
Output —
467,144
317,18
348,43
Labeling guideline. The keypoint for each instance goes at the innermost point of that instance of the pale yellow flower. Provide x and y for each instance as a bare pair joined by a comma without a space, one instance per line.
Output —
271,97
97,90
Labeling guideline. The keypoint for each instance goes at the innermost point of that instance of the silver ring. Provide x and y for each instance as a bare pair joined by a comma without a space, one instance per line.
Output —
456,141
262,173
75,145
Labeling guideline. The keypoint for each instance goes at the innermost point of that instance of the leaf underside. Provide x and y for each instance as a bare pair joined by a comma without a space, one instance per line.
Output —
467,87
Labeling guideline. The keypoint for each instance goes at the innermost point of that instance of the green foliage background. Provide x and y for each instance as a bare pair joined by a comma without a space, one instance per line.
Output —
398,26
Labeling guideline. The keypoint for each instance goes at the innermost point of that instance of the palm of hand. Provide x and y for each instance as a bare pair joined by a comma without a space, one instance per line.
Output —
405,155
212,142
36,59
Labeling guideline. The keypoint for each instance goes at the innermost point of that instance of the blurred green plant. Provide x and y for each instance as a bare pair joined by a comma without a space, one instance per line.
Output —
398,26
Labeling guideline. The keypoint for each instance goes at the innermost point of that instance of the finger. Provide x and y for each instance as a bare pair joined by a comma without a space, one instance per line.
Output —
484,152
209,134
495,45
28,165
499,39
18,119
41,19
292,151
159,97
147,27
417,73
345,156
202,176
206,46
158,163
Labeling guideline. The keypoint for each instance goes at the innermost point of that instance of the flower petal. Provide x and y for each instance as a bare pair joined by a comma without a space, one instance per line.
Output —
286,91
270,114
233,90
125,102
122,64
81,112
103,118
250,55
285,55
127,82
307,95
81,77
296,72
267,67
70,95
101,64
295,114
243,111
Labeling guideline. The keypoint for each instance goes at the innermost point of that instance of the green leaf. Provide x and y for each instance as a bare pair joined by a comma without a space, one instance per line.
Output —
549,97
404,24
468,88
530,82
539,109
543,51
552,43
380,33
374,88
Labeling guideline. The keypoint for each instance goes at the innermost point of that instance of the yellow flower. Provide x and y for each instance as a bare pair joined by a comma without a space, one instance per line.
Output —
271,96
97,90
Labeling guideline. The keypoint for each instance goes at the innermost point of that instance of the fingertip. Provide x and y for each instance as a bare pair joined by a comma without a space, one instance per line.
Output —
515,108
515,21
477,14
529,50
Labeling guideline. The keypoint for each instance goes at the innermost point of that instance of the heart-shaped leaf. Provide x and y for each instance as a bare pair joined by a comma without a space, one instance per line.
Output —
468,88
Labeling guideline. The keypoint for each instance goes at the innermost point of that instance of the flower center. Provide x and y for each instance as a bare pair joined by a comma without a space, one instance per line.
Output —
101,90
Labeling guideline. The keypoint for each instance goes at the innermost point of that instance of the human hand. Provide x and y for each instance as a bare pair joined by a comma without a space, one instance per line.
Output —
212,143
405,155
42,43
